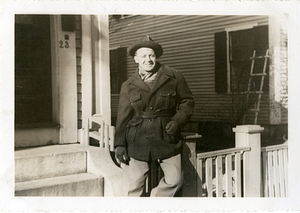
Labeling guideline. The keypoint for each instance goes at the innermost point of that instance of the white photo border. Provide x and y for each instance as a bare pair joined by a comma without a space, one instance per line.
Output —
62,204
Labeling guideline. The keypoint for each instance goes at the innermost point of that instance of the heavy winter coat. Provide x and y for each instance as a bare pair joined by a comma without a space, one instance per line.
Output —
144,113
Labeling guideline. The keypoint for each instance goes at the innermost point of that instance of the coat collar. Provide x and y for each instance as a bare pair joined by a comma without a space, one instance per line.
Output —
164,73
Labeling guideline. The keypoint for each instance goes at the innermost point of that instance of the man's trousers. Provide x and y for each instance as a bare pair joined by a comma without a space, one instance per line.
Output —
136,172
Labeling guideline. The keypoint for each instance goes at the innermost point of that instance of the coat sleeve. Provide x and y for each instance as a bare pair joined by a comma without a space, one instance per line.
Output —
125,113
185,101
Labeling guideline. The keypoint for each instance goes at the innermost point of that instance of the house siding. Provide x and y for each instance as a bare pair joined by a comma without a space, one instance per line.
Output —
188,43
78,37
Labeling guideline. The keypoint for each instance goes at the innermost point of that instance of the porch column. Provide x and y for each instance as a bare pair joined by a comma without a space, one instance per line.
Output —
95,73
249,136
101,70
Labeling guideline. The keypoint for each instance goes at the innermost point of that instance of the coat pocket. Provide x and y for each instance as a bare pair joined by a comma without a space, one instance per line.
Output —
168,99
132,127
135,100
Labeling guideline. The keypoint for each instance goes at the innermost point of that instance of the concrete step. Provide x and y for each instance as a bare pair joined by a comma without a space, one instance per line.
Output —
83,184
49,161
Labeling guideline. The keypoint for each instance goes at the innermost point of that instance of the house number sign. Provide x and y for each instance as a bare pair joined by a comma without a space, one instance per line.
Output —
64,43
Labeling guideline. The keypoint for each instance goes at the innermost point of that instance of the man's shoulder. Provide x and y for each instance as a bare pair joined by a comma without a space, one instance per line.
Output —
129,80
170,70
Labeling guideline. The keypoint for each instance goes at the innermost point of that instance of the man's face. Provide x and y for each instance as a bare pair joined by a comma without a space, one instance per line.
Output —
146,58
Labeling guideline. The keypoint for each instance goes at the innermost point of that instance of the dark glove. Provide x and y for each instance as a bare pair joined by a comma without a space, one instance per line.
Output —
173,128
121,153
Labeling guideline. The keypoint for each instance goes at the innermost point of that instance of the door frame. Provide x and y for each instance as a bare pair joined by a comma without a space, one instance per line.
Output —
64,81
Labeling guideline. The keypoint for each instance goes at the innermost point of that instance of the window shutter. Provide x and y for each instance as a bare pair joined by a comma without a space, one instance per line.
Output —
220,62
117,69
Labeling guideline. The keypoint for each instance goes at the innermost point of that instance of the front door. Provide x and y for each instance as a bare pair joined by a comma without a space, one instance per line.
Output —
33,91
33,96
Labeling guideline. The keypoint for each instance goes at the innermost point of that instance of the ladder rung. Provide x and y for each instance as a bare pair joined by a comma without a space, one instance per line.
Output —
252,92
254,110
264,56
258,74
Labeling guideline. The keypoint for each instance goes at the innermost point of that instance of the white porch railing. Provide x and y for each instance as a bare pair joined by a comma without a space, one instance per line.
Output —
103,132
244,171
220,173
100,161
275,170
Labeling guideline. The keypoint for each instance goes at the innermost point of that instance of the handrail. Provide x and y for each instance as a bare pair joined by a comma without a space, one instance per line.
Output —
222,152
190,135
274,147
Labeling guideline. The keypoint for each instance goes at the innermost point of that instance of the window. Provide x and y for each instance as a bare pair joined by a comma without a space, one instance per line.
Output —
233,50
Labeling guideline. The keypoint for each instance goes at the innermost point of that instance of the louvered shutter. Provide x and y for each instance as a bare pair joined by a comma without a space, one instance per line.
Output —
117,69
220,62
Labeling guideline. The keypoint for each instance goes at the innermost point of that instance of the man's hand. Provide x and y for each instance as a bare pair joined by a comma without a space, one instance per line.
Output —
172,128
121,153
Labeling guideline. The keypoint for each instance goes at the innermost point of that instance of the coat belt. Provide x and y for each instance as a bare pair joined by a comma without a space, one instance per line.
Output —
153,115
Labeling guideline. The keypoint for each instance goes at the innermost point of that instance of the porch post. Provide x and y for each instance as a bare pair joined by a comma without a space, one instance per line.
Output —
189,165
249,135
100,60
104,68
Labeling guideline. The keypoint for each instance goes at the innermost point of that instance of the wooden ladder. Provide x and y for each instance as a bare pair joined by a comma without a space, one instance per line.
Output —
256,108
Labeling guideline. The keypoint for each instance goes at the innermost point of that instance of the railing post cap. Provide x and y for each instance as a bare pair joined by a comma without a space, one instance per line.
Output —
251,129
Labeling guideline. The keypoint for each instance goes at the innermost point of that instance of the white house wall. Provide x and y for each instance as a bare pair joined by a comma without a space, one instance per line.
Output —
284,68
278,69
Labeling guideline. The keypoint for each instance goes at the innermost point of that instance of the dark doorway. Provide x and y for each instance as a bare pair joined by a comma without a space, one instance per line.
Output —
33,90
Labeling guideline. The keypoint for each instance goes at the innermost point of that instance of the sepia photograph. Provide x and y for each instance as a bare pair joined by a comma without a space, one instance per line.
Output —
176,108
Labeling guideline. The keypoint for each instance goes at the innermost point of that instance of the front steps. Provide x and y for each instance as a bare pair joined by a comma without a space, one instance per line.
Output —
83,184
65,170
49,161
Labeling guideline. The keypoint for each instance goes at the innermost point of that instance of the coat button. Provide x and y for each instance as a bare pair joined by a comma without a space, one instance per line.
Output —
150,120
147,136
151,108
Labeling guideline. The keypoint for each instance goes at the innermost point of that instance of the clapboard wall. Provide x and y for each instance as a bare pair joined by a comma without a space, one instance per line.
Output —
78,37
188,43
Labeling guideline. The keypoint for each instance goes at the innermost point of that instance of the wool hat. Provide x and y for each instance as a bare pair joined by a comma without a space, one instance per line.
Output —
146,41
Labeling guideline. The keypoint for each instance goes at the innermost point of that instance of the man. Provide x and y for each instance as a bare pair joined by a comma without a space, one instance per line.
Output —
155,104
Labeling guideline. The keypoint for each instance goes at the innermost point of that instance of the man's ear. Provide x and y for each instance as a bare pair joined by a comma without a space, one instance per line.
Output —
135,59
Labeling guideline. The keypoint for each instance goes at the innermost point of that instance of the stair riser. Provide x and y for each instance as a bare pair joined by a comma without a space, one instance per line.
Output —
41,167
86,188
36,136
